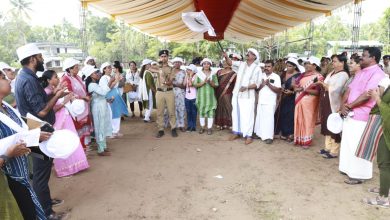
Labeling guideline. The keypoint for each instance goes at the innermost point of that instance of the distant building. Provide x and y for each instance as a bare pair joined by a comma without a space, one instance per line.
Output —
54,53
337,47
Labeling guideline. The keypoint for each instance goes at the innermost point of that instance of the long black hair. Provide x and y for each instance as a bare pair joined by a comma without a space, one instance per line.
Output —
47,75
88,81
118,65
141,73
344,59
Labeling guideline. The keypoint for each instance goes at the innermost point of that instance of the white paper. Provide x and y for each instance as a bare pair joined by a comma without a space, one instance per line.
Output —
30,116
30,137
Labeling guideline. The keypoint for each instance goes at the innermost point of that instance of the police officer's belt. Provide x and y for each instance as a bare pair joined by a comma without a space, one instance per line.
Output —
164,89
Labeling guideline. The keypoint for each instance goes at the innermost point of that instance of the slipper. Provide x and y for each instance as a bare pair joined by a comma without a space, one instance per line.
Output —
353,181
378,201
283,138
374,190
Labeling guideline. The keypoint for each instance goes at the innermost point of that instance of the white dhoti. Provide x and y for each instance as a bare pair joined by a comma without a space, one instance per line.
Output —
264,125
243,114
353,166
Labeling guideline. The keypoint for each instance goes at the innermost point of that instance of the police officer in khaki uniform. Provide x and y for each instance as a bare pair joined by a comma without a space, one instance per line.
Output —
164,95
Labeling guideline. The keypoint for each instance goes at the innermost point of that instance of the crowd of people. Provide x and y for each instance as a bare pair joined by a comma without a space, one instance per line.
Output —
282,99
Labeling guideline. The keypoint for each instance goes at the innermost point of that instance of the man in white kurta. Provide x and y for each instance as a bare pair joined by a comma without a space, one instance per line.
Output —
243,100
268,94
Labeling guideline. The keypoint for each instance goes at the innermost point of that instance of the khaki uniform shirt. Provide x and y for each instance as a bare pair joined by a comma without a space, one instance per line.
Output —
165,75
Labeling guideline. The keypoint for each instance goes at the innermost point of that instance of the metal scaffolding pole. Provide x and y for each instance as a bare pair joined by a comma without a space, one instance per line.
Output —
83,28
357,14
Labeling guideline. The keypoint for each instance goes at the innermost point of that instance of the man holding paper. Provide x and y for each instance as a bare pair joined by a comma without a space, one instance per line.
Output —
31,98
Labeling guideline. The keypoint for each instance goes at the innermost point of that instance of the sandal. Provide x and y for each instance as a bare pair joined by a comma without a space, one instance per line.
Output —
323,151
351,181
201,130
283,138
328,156
374,190
209,131
378,201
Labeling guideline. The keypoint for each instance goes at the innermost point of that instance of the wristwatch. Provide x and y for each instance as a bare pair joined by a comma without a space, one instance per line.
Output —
5,158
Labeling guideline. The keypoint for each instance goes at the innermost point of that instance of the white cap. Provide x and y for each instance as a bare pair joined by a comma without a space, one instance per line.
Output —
335,123
69,62
4,66
27,51
76,108
88,70
314,60
206,60
154,63
146,62
237,56
177,59
88,58
61,144
254,51
295,61
262,64
104,65
192,67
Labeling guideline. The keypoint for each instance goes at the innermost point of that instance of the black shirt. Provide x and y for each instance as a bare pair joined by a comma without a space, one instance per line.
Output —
30,95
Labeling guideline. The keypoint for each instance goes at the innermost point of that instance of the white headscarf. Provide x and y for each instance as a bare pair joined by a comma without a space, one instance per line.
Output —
254,51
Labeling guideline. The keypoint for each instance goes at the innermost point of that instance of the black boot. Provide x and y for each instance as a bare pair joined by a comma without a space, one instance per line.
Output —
160,134
174,133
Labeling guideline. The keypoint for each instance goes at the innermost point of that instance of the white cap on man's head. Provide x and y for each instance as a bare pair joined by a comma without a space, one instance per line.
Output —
27,50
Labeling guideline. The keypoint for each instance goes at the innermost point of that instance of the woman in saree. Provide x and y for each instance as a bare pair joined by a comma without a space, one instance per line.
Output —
306,103
285,113
206,102
77,161
223,93
382,112
331,101
74,83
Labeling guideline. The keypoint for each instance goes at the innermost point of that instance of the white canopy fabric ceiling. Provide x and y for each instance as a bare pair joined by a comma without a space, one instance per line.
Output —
253,19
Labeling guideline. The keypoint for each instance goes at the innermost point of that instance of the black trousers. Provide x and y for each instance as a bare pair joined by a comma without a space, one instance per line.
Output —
23,199
41,177
139,104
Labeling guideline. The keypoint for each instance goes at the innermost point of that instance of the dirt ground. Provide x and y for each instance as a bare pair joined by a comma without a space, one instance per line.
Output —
177,178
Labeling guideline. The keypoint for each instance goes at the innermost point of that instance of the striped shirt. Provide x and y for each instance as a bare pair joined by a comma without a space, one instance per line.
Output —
17,168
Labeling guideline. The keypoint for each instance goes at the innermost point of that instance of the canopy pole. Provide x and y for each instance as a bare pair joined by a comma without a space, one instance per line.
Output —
356,25
220,46
83,29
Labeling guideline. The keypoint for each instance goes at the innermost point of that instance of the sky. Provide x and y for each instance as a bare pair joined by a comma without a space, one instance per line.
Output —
50,12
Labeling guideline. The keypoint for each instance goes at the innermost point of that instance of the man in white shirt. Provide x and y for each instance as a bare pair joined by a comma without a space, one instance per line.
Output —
243,100
269,89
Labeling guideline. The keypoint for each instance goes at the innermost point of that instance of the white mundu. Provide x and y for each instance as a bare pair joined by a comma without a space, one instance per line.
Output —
243,103
266,106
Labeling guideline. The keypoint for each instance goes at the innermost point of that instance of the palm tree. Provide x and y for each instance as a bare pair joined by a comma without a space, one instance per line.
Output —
21,8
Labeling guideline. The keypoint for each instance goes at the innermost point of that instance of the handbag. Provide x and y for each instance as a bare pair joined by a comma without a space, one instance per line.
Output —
128,88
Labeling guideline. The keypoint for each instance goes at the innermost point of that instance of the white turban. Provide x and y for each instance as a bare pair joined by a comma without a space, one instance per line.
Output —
254,51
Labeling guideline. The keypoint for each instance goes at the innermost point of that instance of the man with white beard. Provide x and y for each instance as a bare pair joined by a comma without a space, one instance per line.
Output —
243,100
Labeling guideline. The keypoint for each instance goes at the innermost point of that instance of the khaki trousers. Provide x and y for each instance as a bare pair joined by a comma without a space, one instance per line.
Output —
165,99
331,145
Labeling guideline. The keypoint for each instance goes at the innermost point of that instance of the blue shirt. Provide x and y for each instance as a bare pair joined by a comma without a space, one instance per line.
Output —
30,95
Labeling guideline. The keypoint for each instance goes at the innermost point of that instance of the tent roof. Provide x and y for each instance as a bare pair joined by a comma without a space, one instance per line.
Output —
236,20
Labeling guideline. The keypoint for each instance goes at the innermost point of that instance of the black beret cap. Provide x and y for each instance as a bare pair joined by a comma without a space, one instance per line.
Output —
166,52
